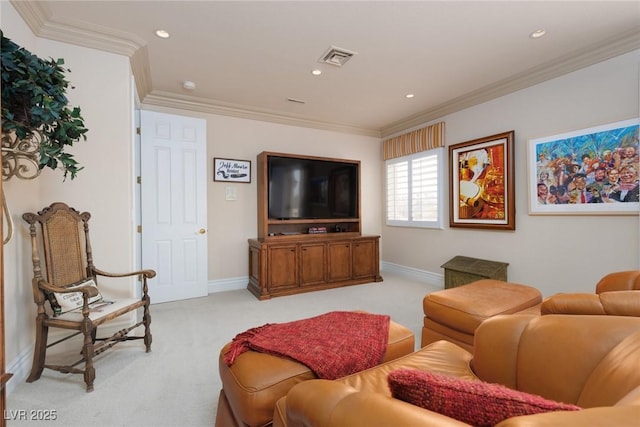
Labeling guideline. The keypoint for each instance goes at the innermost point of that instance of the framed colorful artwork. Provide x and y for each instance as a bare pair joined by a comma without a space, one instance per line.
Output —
482,183
592,171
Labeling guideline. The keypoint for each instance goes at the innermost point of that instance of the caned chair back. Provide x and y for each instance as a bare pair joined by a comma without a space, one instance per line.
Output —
65,245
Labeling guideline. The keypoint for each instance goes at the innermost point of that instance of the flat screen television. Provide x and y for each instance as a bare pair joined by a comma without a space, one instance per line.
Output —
309,188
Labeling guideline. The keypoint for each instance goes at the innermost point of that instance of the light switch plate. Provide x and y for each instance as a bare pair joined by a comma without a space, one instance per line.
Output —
230,193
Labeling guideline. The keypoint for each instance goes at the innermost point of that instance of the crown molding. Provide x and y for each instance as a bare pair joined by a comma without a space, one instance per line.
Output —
607,49
34,14
171,100
43,24
40,20
141,71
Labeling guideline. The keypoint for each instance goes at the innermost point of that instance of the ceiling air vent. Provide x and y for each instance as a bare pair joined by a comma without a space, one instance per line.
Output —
336,56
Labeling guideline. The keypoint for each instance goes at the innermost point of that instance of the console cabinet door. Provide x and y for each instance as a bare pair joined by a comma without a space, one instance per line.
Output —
339,265
283,267
364,258
312,264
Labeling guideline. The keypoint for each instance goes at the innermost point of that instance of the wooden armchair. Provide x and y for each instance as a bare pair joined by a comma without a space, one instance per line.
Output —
70,288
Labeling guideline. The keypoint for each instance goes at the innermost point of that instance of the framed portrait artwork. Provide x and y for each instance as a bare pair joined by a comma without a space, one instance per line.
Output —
482,183
231,170
592,171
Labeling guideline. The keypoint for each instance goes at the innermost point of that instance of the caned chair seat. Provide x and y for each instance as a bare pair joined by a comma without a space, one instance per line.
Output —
67,294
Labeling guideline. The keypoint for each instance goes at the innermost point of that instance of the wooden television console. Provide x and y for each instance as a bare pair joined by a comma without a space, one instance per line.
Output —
291,256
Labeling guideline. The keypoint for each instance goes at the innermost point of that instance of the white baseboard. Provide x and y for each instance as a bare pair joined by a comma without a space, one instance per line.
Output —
434,279
230,284
20,367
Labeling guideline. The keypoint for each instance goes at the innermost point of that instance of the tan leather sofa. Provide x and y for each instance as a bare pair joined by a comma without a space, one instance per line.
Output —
589,361
615,295
454,314
254,383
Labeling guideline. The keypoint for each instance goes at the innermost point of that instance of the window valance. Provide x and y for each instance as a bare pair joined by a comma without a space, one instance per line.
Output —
418,140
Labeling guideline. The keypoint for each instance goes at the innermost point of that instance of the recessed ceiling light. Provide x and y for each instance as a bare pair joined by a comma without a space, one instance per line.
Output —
316,72
188,85
163,34
537,34
409,95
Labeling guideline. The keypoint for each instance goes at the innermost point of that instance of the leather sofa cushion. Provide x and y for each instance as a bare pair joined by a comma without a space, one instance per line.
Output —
463,308
471,401
441,356
255,381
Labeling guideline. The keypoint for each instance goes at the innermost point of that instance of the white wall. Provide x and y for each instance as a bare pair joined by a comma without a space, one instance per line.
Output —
103,90
553,253
232,223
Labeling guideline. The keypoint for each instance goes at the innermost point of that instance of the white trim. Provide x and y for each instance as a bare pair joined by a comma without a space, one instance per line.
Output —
190,103
601,51
230,284
434,279
20,367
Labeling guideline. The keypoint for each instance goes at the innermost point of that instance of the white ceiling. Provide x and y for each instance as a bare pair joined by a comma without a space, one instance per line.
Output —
247,57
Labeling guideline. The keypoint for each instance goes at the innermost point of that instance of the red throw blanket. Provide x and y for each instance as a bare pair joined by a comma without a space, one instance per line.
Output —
332,345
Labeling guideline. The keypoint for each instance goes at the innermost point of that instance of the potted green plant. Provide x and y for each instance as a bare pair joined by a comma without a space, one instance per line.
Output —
38,125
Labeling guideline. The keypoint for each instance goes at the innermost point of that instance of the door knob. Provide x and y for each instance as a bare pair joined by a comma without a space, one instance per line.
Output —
202,231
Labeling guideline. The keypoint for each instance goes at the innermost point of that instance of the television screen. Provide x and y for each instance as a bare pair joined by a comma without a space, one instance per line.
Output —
301,188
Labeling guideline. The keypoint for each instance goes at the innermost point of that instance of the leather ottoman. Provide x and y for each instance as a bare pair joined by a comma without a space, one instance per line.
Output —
454,314
254,383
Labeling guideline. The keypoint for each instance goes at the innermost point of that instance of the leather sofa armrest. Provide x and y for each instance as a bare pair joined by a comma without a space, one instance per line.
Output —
621,416
616,303
323,403
312,402
619,281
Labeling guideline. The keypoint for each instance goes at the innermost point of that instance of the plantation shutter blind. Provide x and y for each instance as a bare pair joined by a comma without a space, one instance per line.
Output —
412,183
398,191
424,184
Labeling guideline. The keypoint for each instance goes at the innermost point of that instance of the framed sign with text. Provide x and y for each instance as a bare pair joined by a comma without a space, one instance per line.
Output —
231,170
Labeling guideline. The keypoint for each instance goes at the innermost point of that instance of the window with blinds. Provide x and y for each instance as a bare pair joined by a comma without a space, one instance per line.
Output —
414,190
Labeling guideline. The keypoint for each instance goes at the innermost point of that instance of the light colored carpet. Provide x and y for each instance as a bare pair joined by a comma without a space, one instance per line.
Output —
177,384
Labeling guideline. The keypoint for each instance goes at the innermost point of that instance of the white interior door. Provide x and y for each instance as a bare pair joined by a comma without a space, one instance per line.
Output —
173,204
